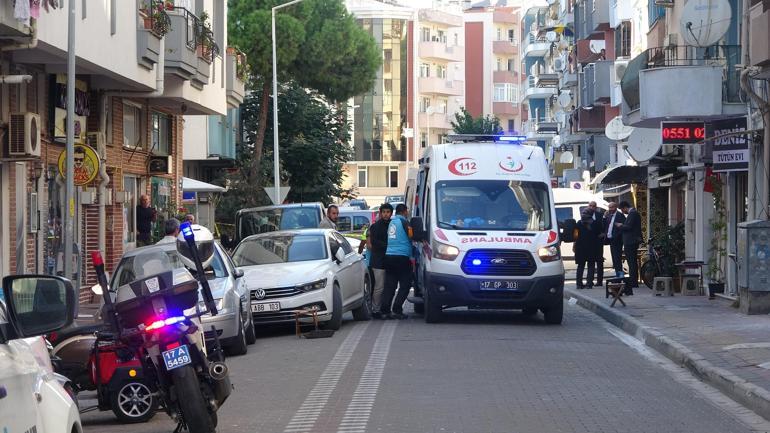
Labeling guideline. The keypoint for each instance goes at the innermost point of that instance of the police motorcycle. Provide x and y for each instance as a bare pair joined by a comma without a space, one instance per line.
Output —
153,319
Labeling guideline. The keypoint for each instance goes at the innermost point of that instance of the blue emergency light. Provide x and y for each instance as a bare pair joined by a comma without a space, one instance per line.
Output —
512,138
187,231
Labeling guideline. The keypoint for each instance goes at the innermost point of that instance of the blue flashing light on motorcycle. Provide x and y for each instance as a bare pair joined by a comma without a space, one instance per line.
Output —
158,324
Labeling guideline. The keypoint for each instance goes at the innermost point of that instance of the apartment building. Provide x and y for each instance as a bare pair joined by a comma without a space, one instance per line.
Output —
140,67
492,62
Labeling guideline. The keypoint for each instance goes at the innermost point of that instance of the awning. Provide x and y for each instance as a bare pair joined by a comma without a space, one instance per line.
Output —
621,174
198,186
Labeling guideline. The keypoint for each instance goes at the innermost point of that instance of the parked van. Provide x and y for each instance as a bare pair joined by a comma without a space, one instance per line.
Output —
354,220
485,213
263,219
569,203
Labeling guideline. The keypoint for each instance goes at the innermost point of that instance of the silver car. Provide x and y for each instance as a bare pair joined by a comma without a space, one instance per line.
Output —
233,325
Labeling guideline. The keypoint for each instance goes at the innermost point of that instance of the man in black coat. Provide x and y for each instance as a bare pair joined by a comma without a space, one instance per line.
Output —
377,241
598,217
632,237
585,247
614,237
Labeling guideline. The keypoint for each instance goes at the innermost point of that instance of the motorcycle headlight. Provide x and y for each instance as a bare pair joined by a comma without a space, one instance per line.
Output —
315,285
444,251
549,253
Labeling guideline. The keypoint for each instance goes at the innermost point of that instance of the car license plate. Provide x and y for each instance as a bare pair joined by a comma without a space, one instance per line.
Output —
498,285
177,357
265,307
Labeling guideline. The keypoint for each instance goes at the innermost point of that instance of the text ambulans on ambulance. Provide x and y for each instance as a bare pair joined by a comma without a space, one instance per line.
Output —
490,231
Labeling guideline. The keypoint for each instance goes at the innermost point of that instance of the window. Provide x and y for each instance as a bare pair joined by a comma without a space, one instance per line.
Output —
512,65
442,104
506,93
511,125
362,177
393,177
132,125
457,39
423,139
441,71
344,243
425,34
441,36
499,34
129,209
161,134
623,39
424,105
499,66
512,36
424,70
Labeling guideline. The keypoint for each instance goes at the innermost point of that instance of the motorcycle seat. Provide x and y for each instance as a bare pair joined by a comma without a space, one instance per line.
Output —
73,331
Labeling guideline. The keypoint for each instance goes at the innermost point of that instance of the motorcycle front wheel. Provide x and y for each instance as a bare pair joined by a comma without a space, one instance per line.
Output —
193,406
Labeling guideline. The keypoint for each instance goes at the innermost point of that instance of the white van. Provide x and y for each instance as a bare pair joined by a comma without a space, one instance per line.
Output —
489,229
569,203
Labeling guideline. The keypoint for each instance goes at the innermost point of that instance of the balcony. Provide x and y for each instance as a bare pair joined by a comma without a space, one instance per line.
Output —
499,77
440,86
600,16
536,46
704,80
384,155
202,73
529,128
595,83
547,126
236,74
531,91
568,80
620,11
591,119
147,48
505,47
435,120
442,18
547,80
10,26
502,17
181,57
438,50
760,31
589,50
503,108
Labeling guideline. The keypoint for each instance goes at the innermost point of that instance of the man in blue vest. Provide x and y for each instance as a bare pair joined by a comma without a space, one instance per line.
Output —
398,265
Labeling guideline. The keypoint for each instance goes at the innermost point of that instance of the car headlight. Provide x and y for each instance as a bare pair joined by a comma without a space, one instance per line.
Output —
220,303
315,285
444,251
549,253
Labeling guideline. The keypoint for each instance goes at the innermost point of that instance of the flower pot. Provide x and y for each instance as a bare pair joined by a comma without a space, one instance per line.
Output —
715,288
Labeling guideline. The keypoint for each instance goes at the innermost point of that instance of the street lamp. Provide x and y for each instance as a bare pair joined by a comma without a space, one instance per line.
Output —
276,160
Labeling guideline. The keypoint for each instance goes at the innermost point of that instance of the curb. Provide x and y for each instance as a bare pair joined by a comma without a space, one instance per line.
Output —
753,397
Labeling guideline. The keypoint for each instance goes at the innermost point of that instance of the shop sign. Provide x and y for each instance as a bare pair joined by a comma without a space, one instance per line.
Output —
82,109
730,152
86,164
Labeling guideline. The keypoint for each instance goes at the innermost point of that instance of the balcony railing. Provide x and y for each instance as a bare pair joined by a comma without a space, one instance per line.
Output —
386,155
725,56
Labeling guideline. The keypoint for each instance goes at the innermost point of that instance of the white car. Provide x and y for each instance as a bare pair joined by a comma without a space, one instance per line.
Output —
288,271
31,397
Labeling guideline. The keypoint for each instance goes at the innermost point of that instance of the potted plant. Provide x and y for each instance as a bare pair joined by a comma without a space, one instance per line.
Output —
718,223
155,17
207,47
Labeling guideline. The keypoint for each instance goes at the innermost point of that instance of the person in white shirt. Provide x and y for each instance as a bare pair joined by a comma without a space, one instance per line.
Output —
171,230
614,237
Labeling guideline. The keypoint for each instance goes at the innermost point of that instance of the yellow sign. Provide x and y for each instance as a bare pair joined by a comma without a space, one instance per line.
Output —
86,164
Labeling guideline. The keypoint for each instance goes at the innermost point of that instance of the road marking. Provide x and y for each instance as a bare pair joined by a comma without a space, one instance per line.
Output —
745,416
747,346
305,418
360,408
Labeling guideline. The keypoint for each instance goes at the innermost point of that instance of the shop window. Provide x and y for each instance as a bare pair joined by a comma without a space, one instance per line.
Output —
132,125
161,134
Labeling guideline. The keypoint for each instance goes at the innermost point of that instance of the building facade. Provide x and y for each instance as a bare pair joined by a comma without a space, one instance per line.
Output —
128,120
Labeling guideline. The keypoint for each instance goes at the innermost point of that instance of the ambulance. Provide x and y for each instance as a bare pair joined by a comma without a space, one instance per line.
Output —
485,228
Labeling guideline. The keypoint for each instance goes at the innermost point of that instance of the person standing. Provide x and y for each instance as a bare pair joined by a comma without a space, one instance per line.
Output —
598,217
585,248
377,244
145,216
614,237
330,220
398,264
171,230
632,237
190,218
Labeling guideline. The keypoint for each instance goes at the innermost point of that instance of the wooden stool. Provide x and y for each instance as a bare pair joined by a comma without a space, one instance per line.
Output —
615,287
307,312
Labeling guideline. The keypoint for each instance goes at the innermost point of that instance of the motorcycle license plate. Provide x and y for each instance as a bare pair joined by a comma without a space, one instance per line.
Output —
177,357
265,307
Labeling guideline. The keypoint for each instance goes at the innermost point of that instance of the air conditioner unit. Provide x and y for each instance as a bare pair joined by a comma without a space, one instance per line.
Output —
24,134
670,40
662,286
618,70
159,165
690,285
96,140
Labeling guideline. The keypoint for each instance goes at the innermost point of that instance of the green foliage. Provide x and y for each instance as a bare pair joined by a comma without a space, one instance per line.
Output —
671,245
718,222
465,123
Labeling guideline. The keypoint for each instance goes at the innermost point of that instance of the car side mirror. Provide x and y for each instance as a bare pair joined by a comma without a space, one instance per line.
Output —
38,304
339,256
568,230
418,230
237,272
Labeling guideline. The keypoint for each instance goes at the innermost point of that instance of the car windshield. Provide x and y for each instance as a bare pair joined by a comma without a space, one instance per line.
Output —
155,261
270,220
282,248
493,205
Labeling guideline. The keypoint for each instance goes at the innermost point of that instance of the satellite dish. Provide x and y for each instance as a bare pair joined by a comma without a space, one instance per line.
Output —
596,46
616,130
560,116
643,143
566,158
565,99
556,141
705,22
551,36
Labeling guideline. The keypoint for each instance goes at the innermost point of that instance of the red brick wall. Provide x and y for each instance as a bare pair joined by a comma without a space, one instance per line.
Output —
474,68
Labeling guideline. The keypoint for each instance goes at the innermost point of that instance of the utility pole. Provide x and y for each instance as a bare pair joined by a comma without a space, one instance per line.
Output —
69,176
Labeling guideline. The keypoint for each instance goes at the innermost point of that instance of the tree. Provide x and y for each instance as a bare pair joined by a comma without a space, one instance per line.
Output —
465,123
319,46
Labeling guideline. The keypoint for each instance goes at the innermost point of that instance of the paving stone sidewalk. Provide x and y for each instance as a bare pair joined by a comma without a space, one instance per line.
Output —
725,348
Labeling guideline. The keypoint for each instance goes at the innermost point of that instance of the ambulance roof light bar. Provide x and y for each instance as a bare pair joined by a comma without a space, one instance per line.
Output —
471,138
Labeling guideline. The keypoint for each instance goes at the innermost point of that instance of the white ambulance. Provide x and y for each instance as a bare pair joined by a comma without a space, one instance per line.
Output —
483,211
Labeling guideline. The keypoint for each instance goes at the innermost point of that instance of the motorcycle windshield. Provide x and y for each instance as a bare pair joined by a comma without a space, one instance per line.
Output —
146,264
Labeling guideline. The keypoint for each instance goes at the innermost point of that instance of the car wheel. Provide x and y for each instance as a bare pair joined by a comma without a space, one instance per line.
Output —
419,308
239,345
364,312
251,332
133,402
554,313
336,321
433,313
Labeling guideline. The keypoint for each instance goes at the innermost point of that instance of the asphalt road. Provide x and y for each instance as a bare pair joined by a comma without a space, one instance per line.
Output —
479,371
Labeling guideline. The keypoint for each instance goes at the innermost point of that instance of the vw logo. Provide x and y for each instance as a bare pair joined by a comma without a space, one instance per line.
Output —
259,293
498,261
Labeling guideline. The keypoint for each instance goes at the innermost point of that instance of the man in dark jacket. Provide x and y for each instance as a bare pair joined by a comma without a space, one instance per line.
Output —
585,247
377,242
598,216
614,237
632,237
